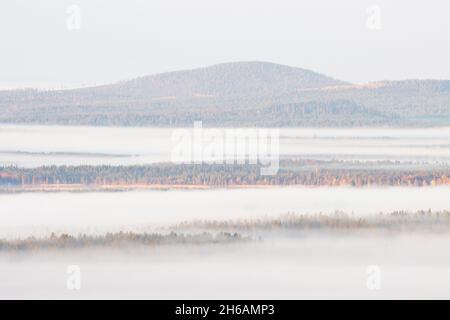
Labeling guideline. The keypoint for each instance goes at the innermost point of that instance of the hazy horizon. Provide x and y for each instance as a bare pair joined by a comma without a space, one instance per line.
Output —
119,41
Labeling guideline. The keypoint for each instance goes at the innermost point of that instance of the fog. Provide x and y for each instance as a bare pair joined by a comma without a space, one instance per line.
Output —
32,146
24,214
319,266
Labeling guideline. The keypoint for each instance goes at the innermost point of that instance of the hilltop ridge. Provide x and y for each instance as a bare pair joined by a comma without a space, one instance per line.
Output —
249,93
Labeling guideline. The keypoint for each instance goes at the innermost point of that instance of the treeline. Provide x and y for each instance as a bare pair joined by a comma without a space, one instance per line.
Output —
424,220
201,232
119,239
290,173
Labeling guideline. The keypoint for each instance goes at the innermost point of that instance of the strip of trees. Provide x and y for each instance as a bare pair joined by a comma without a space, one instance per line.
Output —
290,173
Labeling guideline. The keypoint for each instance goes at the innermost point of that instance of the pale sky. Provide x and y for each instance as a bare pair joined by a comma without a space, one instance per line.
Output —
120,39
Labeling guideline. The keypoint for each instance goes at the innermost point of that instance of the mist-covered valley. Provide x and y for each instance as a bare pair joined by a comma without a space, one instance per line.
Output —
342,266
352,213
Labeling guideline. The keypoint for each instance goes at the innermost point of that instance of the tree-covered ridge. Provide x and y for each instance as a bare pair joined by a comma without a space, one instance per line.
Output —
236,94
224,80
292,172
220,232
118,239
394,221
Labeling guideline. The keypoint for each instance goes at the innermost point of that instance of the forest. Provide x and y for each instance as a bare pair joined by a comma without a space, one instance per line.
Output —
292,172
236,94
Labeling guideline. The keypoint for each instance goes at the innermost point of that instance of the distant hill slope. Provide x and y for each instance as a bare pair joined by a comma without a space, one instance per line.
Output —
236,94
222,80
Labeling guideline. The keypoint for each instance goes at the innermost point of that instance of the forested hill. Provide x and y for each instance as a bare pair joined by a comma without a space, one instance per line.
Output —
222,80
236,94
